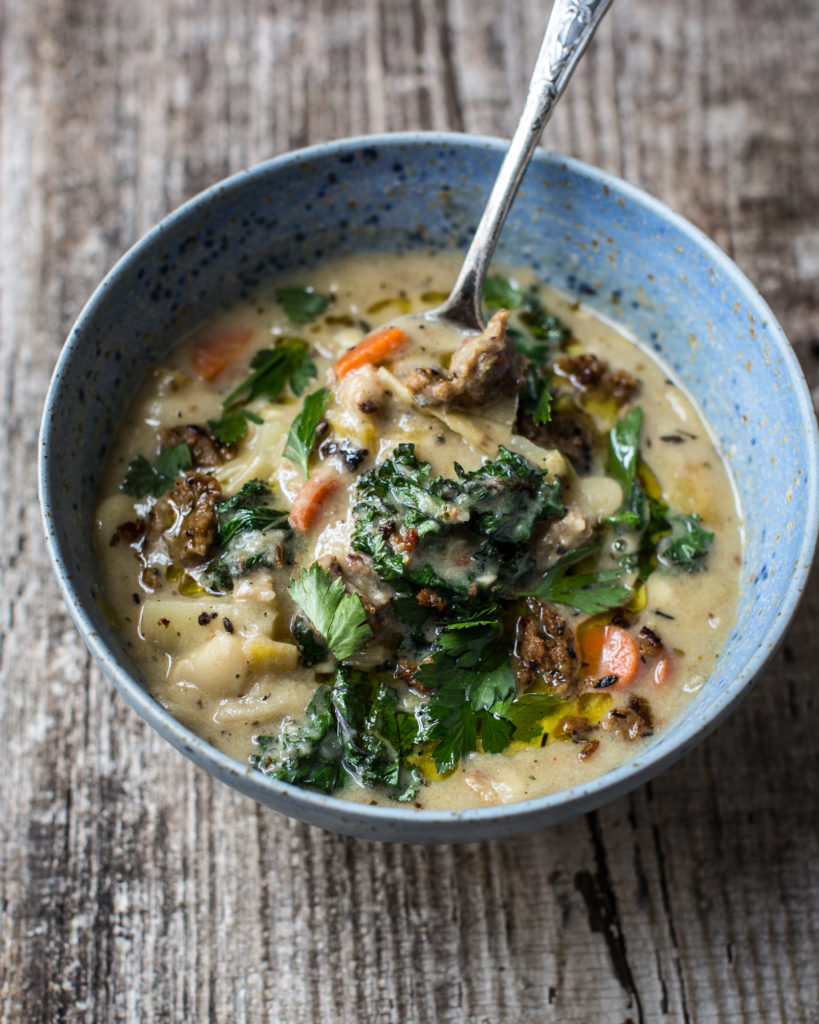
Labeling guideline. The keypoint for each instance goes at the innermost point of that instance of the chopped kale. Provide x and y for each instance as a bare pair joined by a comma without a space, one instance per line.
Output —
624,456
312,650
250,532
501,293
664,536
504,498
307,755
538,336
410,522
247,510
353,731
687,544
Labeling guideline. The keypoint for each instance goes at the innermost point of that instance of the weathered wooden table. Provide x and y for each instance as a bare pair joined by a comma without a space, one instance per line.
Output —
133,887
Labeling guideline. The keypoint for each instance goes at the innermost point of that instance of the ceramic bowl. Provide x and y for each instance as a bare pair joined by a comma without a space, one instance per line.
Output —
625,254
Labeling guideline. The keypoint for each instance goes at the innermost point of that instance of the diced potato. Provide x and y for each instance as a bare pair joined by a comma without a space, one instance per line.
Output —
544,458
691,490
217,669
264,654
180,624
266,701
346,423
597,497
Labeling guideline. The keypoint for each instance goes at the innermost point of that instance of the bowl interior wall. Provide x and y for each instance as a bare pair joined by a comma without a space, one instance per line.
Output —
623,256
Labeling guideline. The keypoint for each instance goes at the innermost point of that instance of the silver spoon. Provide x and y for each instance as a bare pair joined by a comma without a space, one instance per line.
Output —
571,25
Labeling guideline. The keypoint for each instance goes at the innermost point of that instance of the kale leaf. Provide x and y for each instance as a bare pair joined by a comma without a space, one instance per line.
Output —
142,478
247,510
504,498
354,730
687,544
312,650
249,531
306,755
411,523
664,536
501,293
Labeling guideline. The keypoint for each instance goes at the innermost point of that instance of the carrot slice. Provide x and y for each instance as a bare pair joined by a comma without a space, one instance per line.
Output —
375,347
309,501
216,350
610,651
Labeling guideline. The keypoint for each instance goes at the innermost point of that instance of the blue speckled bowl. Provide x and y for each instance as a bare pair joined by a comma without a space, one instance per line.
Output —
624,253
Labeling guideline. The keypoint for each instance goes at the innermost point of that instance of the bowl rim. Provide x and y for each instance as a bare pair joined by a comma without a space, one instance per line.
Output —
361,818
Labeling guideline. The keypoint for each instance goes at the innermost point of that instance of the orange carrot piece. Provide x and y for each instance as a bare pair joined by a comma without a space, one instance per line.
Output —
216,350
611,651
310,499
375,347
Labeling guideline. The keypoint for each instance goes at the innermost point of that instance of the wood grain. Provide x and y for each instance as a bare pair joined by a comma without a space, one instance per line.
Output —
132,887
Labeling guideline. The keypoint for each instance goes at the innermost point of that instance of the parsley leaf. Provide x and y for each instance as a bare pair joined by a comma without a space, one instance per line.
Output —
589,592
302,434
142,479
542,411
302,304
469,676
624,455
233,425
338,617
273,369
455,729
527,712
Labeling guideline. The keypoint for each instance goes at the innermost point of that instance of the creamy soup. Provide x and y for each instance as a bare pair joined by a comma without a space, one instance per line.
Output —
369,556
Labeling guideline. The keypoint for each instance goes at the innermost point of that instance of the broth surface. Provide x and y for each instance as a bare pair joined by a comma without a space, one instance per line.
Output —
227,663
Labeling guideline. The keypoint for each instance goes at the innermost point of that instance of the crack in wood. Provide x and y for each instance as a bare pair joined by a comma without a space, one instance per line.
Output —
599,896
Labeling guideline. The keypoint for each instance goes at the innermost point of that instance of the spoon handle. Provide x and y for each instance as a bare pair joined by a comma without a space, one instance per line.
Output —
571,25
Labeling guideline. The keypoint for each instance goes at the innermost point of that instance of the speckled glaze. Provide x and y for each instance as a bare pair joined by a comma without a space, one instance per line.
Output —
626,255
